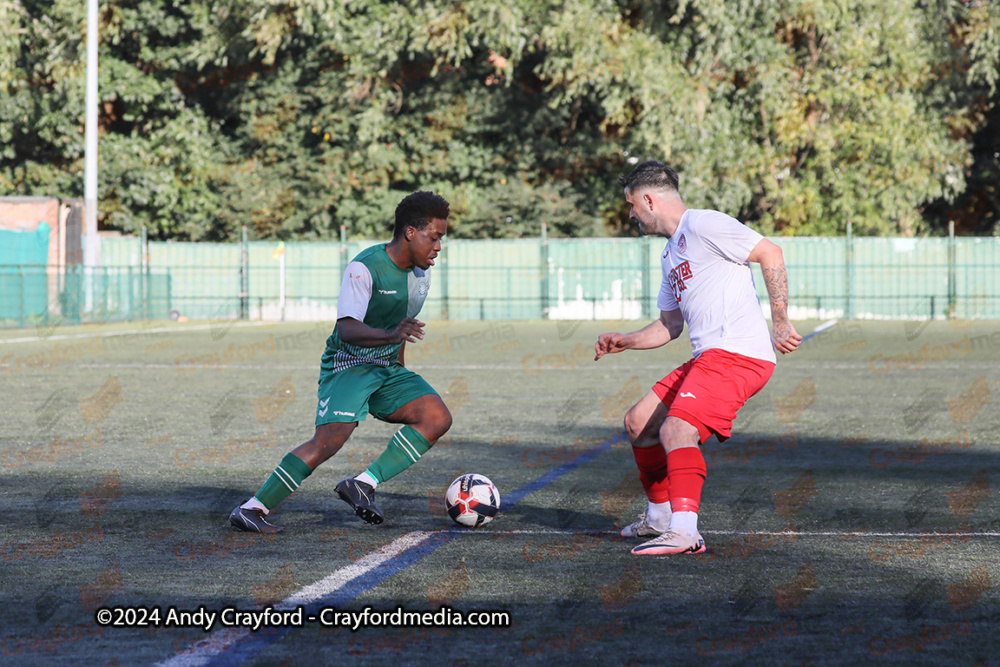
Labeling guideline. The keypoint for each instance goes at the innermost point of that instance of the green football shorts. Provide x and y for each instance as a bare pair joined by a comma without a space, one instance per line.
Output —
350,394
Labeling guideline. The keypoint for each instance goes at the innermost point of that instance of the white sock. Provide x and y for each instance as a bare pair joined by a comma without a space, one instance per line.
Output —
658,515
686,521
254,504
367,479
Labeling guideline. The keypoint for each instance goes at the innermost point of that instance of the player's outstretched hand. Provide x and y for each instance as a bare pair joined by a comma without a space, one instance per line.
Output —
409,330
609,343
786,338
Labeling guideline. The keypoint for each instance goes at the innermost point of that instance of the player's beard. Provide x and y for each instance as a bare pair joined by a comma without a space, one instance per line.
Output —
642,225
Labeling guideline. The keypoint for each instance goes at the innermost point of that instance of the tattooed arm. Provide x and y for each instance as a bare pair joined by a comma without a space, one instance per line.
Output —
772,265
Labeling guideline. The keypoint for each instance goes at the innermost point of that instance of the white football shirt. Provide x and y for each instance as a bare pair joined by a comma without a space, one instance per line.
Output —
707,276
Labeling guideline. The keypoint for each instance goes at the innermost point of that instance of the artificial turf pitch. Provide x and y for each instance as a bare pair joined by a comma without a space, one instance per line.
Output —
851,518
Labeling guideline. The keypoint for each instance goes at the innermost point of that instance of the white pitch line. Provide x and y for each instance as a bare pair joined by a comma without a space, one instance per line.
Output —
826,325
222,640
129,332
855,534
737,533
123,365
344,575
237,366
496,367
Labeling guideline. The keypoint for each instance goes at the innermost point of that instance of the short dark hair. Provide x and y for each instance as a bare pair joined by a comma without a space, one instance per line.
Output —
651,174
418,209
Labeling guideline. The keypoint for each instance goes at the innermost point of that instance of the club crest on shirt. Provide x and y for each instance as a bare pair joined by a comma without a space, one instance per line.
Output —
682,243
422,288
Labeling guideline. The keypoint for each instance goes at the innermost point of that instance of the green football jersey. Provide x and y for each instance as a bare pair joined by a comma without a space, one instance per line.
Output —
380,294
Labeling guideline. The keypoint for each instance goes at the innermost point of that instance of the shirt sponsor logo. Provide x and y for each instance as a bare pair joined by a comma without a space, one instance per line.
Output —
677,279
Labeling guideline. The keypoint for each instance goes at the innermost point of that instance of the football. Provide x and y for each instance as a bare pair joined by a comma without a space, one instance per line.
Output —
472,500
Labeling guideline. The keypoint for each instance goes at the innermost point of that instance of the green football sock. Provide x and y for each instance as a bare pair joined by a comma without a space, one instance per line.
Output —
404,449
285,479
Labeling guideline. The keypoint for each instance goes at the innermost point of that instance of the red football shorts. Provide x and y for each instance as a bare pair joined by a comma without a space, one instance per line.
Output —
708,391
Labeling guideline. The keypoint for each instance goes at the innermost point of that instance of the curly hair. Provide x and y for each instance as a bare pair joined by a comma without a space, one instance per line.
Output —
418,209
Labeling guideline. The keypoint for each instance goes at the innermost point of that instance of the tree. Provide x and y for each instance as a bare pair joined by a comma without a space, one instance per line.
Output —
294,118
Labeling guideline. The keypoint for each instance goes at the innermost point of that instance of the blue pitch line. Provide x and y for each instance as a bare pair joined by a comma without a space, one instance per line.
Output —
514,497
250,649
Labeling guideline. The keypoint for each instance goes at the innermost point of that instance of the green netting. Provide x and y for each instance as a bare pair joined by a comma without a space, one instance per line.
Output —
872,278
23,277
114,294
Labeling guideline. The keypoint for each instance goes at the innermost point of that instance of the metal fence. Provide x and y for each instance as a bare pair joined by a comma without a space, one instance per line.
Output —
46,295
865,278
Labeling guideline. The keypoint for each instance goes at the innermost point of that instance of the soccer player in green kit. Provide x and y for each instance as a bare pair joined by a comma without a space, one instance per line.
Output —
362,369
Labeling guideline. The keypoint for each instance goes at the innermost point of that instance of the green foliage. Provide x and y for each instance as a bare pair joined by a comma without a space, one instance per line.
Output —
295,117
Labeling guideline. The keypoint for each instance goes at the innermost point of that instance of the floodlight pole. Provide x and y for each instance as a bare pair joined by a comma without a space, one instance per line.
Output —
92,243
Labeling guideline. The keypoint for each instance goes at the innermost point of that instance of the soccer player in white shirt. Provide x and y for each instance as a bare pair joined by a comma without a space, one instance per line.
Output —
707,283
